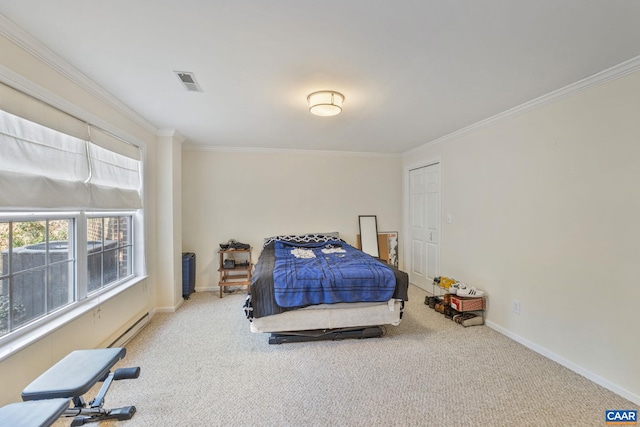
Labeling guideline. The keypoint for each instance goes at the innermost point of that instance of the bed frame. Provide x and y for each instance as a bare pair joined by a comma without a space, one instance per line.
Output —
324,335
330,321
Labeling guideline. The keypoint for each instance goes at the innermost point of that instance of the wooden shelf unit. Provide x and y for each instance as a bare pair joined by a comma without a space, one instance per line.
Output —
240,275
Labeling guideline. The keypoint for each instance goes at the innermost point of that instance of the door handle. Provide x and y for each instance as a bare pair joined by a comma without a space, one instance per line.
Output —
431,236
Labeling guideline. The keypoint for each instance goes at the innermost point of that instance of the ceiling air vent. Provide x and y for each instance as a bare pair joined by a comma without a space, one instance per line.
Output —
188,81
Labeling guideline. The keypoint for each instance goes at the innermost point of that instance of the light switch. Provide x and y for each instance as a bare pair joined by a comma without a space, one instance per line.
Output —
448,218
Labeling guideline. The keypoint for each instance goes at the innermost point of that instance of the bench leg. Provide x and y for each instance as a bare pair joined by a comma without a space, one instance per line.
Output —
74,375
92,415
94,412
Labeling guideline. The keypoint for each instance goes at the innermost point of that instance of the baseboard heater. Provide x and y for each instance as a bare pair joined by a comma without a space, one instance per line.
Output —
131,332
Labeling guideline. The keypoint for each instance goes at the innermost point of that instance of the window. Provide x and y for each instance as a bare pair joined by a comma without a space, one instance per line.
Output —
69,208
109,251
37,270
39,261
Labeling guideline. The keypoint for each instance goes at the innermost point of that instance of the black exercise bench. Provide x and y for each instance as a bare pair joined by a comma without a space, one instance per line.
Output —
36,413
48,397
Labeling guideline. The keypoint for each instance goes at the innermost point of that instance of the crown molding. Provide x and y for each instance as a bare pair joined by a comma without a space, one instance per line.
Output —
256,150
612,73
172,133
27,42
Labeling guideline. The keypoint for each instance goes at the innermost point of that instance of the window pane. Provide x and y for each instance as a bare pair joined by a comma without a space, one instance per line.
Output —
27,297
115,247
94,267
4,252
59,249
60,286
94,234
4,306
110,266
124,262
28,245
111,228
124,236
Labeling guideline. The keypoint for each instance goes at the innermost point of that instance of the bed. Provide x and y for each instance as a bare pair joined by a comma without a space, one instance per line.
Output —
317,286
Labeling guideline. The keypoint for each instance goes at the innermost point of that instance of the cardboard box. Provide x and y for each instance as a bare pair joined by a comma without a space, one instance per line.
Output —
468,303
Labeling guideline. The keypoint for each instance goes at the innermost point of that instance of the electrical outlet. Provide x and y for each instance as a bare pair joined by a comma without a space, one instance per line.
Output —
515,305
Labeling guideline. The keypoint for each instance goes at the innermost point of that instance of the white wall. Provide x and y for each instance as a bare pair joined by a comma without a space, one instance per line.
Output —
169,231
248,196
109,318
546,210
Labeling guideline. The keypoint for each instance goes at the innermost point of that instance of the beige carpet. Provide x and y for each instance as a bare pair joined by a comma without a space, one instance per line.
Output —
202,366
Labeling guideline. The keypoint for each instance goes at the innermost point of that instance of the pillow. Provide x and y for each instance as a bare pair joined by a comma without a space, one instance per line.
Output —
331,234
304,238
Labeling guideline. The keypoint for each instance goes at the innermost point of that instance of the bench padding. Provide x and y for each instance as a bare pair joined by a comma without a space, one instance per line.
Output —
74,375
36,413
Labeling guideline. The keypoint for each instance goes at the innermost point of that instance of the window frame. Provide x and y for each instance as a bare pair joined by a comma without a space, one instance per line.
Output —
42,217
131,245
82,301
32,102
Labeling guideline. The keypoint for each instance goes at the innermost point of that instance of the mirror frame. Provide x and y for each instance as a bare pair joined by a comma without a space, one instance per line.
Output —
369,235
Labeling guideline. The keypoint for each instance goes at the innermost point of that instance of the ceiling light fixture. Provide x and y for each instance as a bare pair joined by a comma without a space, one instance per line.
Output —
325,103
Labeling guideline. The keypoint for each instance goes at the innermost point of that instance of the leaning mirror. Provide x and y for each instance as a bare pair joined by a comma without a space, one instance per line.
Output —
369,235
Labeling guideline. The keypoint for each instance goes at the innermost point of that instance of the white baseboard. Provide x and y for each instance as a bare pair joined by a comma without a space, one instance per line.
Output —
634,398
214,288
208,289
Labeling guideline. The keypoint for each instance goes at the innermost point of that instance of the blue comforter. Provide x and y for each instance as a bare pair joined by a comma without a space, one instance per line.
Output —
327,273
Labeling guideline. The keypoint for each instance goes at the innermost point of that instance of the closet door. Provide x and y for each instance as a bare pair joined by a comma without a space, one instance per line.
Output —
424,219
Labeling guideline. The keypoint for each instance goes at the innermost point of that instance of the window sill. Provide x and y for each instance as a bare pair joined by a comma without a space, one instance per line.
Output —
22,340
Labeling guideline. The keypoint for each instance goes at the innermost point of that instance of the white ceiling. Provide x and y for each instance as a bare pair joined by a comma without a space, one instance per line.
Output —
411,71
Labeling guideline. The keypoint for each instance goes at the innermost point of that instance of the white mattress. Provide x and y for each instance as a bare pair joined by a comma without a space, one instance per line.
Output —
331,316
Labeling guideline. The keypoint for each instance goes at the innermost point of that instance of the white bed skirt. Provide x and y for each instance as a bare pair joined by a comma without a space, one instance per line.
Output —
331,316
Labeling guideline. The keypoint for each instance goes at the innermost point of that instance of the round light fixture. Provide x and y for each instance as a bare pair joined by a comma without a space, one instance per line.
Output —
325,103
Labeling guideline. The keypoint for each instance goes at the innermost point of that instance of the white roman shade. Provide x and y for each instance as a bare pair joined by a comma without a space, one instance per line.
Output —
49,159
